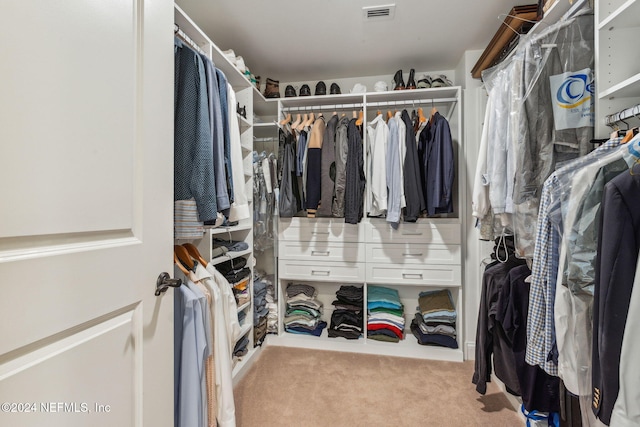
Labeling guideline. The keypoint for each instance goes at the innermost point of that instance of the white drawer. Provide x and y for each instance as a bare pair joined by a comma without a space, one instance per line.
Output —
321,271
421,232
442,275
319,231
321,251
412,253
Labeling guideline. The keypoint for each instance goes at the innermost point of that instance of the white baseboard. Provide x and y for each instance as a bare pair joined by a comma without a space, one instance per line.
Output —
470,350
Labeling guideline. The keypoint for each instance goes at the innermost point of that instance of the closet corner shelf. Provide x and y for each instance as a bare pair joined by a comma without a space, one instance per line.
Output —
268,125
244,329
264,107
243,225
244,123
625,16
629,88
229,256
244,306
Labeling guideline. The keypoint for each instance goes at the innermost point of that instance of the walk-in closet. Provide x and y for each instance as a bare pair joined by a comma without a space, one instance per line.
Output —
320,214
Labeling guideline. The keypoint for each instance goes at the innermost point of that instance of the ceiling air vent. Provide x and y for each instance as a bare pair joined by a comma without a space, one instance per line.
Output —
379,13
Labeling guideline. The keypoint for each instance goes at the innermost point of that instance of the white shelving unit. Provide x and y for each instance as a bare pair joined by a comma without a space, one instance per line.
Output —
246,93
426,255
617,63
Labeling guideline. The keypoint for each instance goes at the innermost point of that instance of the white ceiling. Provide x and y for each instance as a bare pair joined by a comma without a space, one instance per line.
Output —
295,40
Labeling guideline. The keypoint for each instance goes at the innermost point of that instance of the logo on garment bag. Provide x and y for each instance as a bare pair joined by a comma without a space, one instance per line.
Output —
576,90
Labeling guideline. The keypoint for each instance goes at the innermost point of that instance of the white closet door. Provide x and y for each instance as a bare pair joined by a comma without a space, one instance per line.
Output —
86,172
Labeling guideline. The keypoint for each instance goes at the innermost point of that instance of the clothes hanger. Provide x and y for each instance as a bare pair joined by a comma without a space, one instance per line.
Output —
297,122
360,118
303,122
286,120
389,115
183,260
195,253
312,118
421,117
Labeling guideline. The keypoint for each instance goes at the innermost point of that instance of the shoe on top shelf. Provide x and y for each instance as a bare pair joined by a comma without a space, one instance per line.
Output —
240,64
441,81
424,82
230,55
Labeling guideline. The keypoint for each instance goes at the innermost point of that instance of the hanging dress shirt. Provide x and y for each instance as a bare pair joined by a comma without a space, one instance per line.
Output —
217,132
354,192
224,106
394,176
342,151
193,144
402,147
328,171
378,136
618,246
314,166
190,354
439,169
626,411
240,206
222,354
412,182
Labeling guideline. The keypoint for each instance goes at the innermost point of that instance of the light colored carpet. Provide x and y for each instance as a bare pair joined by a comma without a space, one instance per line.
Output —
300,387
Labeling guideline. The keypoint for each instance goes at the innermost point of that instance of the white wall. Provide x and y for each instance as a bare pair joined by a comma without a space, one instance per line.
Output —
474,102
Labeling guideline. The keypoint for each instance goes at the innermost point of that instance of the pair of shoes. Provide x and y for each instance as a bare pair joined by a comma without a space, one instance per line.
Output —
441,81
425,82
257,83
242,111
272,88
321,89
305,90
289,92
399,81
335,89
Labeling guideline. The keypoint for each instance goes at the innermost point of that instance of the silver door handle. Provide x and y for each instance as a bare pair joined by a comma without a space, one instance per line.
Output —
410,233
410,254
320,232
412,275
165,282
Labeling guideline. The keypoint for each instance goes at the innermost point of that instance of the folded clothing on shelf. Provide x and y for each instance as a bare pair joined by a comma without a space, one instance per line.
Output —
304,311
434,322
385,320
231,245
232,264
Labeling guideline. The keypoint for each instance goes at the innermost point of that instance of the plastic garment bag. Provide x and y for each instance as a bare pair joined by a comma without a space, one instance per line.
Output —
542,114
554,115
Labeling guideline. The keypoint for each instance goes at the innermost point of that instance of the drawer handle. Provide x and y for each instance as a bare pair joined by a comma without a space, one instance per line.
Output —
320,272
411,233
320,232
412,275
320,253
410,254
